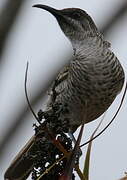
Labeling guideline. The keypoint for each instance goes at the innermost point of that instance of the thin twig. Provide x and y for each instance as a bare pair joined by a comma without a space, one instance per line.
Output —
26,94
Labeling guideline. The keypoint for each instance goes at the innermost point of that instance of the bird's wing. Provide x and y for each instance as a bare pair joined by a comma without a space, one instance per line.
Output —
22,165
57,86
62,76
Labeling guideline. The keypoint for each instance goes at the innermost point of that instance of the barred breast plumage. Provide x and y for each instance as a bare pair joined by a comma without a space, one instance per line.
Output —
89,84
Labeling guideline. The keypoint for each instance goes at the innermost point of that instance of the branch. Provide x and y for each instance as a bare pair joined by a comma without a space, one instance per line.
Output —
7,18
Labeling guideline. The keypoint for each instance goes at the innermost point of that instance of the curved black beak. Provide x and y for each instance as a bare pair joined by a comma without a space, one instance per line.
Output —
53,11
60,16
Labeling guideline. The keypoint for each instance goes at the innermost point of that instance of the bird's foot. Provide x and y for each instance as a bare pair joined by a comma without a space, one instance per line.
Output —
78,155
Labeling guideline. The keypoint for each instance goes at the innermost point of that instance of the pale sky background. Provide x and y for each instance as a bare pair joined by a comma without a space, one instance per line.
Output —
37,38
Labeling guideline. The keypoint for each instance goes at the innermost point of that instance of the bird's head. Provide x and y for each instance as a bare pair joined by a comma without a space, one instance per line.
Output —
74,22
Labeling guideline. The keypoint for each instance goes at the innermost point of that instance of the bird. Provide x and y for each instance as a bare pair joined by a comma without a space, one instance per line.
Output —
93,77
88,85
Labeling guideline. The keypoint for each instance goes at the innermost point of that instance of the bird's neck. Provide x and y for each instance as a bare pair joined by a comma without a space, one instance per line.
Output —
89,44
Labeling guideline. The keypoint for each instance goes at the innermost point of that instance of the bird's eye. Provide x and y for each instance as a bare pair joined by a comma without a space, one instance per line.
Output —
76,15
